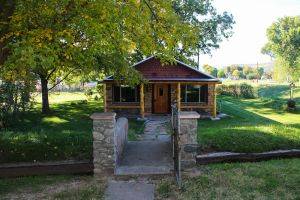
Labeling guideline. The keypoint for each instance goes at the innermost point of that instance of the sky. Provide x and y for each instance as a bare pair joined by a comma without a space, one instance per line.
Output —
252,18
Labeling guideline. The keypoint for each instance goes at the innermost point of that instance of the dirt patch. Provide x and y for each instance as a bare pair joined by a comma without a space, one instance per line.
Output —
51,191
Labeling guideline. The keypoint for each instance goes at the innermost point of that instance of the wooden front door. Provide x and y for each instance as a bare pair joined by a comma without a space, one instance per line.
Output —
161,98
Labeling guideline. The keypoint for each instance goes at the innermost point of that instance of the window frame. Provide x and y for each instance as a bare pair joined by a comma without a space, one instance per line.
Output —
136,94
185,98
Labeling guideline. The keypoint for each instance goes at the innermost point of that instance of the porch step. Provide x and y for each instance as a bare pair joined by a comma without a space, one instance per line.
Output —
143,170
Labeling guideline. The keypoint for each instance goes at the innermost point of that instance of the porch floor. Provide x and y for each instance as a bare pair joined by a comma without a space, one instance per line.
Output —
152,153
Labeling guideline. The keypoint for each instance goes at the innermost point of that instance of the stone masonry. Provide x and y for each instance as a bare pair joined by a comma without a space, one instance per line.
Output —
103,143
188,138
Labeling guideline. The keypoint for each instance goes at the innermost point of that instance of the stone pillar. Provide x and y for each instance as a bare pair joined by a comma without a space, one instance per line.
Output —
188,138
103,142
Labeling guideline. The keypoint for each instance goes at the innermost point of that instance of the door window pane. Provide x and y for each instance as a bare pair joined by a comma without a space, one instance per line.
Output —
161,92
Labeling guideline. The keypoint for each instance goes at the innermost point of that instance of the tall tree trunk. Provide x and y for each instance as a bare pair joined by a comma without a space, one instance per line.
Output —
45,100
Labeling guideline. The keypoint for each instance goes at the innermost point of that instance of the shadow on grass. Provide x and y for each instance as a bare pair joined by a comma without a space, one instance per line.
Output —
65,133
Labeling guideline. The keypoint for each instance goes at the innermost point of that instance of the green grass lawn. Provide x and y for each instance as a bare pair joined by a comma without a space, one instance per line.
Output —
65,133
276,179
257,125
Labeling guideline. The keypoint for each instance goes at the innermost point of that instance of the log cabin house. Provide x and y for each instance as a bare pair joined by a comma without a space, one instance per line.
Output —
180,84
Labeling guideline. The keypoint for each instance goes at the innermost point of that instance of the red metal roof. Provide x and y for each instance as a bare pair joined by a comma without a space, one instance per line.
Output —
152,69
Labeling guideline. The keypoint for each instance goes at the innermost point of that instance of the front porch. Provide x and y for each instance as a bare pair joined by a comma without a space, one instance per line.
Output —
157,98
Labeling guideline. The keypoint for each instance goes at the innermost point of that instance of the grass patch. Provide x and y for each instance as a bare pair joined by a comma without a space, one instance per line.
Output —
276,179
34,183
52,187
254,127
164,190
88,192
65,133
135,129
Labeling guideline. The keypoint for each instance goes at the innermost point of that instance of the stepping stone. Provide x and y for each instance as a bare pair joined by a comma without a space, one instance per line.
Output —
125,190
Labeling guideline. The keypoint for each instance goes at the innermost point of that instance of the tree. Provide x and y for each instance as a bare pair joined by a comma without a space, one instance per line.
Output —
210,70
214,26
280,72
221,73
247,70
58,38
236,73
284,43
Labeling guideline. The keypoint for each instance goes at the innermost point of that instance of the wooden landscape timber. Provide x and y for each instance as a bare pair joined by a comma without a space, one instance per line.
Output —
221,157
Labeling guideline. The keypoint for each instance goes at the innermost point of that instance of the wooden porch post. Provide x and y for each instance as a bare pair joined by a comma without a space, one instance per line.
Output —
142,103
214,101
104,97
178,96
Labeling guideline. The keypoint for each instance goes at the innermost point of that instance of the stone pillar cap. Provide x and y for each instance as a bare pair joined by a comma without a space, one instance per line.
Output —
189,115
106,115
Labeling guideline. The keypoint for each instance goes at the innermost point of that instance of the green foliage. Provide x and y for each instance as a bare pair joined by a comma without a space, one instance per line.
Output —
210,70
14,99
88,93
164,190
247,70
221,73
284,43
99,89
251,76
61,38
237,90
135,129
236,73
213,26
280,72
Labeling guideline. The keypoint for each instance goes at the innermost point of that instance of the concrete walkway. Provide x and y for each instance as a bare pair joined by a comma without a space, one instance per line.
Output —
126,190
152,154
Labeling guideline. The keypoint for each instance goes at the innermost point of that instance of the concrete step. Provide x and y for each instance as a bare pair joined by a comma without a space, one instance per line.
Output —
143,170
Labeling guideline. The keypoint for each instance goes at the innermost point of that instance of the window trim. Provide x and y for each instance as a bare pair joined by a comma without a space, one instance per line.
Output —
136,93
184,100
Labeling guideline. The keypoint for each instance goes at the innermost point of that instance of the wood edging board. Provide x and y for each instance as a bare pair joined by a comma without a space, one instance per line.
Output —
221,157
46,168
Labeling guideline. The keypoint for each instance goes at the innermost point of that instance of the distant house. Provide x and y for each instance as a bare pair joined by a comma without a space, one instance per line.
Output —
177,84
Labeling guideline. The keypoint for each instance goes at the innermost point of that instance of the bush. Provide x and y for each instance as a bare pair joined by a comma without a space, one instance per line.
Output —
88,93
14,98
99,89
237,90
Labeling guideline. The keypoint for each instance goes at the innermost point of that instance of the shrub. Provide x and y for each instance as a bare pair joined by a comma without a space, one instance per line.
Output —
88,93
14,98
99,89
237,90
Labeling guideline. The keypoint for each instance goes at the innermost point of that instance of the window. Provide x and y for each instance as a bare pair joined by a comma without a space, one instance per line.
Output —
194,93
125,93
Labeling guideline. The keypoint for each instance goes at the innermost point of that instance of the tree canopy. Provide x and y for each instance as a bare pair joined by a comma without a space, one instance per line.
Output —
58,38
284,43
213,26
